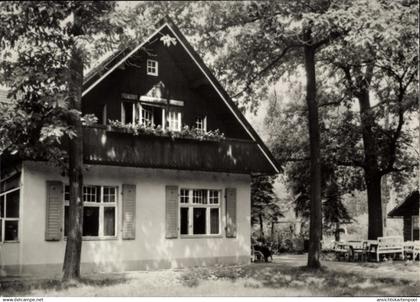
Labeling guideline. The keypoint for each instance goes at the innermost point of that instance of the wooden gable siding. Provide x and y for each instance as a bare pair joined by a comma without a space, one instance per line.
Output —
124,149
183,81
407,228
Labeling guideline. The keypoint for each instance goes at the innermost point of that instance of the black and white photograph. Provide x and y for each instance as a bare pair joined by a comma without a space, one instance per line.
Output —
209,149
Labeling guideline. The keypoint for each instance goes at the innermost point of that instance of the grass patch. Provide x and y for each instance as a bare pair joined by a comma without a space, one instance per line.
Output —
27,287
323,281
276,279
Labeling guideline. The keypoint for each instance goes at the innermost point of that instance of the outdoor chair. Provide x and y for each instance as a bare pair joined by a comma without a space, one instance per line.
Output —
358,250
261,253
342,251
256,256
392,246
412,249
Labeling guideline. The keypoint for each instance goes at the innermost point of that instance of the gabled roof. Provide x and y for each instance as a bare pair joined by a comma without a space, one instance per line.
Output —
410,206
100,72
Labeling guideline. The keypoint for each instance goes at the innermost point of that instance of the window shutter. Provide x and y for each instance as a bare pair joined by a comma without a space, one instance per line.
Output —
54,213
230,212
128,211
171,211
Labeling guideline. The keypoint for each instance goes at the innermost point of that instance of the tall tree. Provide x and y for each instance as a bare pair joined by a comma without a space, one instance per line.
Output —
44,52
335,213
287,110
256,42
264,202
378,66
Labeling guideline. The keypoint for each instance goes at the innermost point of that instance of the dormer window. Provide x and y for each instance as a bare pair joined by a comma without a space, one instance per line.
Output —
152,67
201,123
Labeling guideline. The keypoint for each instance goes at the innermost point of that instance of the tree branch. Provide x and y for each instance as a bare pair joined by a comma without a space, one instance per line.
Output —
296,159
352,163
264,70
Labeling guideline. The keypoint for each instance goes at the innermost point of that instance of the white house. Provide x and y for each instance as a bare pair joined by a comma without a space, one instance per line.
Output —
163,197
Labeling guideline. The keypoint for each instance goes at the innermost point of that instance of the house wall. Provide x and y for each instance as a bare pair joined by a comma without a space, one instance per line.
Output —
150,249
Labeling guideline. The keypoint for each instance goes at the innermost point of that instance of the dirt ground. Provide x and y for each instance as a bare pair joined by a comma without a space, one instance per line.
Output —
286,276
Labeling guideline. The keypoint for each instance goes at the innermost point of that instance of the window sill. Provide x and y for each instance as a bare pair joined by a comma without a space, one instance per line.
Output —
14,241
201,236
97,238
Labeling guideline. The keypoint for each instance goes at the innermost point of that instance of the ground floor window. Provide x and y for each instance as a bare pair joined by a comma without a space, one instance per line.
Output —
199,211
99,211
9,215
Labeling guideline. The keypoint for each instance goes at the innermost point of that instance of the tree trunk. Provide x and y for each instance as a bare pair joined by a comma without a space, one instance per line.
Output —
315,228
372,175
272,230
71,266
375,222
384,180
261,226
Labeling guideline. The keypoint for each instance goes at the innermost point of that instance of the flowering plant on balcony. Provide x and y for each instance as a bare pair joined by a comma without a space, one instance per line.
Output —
186,131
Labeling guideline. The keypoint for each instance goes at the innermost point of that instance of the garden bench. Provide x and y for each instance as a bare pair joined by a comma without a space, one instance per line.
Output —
358,249
391,245
412,248
351,250
341,250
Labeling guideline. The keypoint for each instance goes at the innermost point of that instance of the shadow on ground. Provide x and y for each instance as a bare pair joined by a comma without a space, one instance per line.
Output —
294,276
26,286
287,276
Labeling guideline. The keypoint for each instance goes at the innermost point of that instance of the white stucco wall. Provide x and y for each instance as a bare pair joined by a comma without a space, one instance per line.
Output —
150,249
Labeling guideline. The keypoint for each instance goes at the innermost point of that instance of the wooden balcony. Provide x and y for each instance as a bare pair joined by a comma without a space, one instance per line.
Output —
125,149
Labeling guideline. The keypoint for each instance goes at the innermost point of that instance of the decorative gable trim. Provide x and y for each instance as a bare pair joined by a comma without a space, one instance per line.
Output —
85,91
212,80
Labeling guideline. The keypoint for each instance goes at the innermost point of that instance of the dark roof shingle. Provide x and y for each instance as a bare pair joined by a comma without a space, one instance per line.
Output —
409,207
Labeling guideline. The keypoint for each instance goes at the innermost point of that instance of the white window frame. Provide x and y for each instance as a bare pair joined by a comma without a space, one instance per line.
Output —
207,205
174,119
4,218
101,205
201,123
138,113
123,114
152,67
141,112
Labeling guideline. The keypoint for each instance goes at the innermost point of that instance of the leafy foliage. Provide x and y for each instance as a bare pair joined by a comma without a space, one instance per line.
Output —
36,39
264,201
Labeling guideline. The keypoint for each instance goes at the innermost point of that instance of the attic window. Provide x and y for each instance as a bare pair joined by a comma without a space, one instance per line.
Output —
152,67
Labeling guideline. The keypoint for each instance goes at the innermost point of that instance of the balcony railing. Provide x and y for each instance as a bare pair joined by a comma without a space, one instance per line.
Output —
149,151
